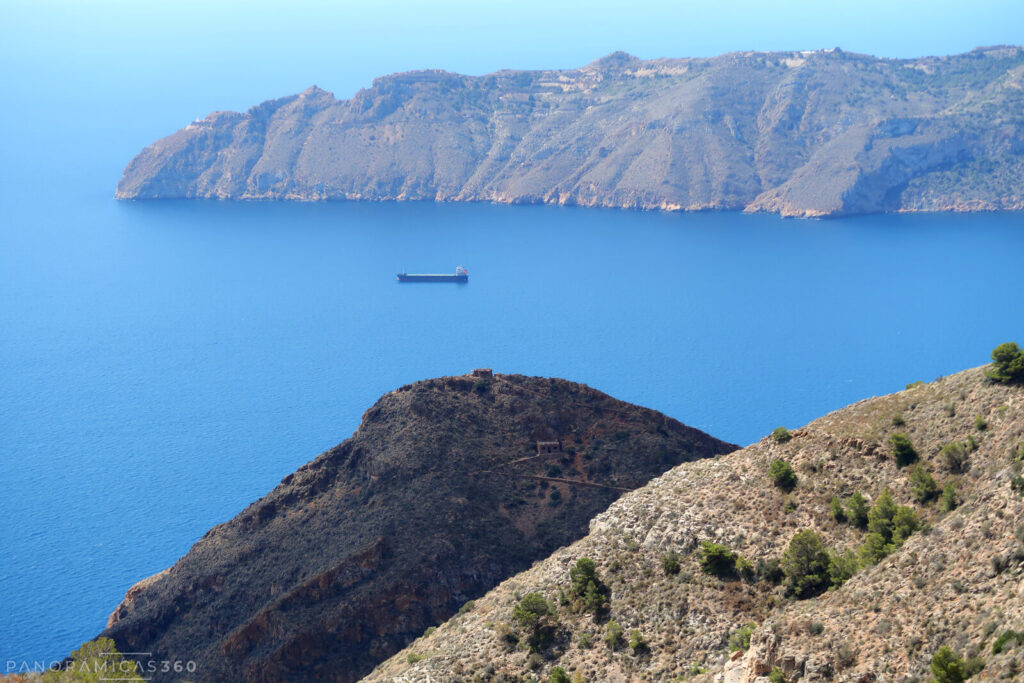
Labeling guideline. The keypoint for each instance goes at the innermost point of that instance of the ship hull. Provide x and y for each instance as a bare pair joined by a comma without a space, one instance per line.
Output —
405,277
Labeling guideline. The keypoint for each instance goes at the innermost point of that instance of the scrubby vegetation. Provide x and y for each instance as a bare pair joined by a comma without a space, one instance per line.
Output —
782,475
96,660
902,450
587,591
536,618
1007,364
781,435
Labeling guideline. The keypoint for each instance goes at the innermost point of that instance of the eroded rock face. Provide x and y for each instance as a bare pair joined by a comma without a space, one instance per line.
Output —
438,496
800,134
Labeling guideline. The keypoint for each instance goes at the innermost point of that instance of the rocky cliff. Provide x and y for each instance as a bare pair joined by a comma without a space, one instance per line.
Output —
815,133
954,579
438,496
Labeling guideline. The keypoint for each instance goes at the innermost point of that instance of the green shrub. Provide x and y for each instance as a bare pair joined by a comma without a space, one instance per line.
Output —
586,588
776,676
971,444
412,658
740,638
558,675
857,510
429,631
835,508
1017,484
612,635
535,617
91,660
781,435
841,568
915,385
880,515
980,423
805,564
585,640
872,551
947,667
744,569
1007,364
769,570
670,563
716,559
902,450
898,421
904,523
1006,640
922,485
467,607
782,475
949,500
817,628
954,457
636,641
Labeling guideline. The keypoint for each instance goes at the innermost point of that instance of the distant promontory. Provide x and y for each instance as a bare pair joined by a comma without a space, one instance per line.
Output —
812,133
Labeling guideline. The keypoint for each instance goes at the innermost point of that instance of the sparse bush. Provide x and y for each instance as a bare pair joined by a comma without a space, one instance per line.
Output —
1006,640
670,563
841,568
412,658
857,510
980,423
744,569
947,667
845,656
781,435
481,386
973,666
612,635
558,675
922,485
91,660
904,523
872,551
971,443
817,628
776,676
429,631
898,421
806,565
534,662
782,475
769,570
467,607
717,560
836,509
585,640
636,641
902,450
740,638
915,385
586,588
1007,364
1017,484
954,457
535,617
949,500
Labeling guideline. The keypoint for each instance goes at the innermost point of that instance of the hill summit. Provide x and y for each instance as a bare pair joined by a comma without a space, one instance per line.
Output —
447,487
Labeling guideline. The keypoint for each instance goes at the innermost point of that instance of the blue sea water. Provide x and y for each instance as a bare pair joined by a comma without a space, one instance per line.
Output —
164,364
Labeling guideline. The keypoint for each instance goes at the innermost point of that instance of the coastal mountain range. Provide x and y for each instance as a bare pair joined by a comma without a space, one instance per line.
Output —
807,133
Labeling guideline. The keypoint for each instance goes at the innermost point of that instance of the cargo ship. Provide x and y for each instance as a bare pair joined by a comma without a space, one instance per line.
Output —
460,275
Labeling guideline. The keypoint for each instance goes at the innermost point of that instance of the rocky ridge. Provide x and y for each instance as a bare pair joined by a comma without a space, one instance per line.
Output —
811,133
956,582
440,494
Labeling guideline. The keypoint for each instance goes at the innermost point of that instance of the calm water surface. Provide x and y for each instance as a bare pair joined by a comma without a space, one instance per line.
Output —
164,364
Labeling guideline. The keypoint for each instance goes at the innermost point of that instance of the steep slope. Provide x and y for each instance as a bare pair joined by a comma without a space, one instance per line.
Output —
798,133
955,582
438,496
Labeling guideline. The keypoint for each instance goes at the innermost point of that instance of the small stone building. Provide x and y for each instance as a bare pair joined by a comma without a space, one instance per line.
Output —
548,447
483,373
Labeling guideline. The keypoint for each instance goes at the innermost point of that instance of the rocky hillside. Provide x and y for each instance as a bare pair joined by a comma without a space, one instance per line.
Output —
817,133
699,571
438,496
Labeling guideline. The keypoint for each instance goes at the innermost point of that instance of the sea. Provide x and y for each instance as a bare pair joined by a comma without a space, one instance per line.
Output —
163,364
